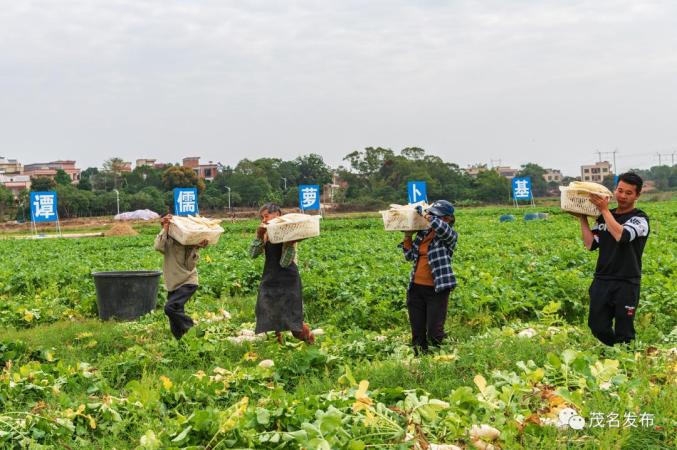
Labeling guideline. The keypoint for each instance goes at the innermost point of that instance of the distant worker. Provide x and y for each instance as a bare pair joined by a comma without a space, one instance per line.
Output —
432,277
620,234
180,275
279,305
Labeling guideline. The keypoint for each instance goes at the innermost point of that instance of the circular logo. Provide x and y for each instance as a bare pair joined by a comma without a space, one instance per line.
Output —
577,422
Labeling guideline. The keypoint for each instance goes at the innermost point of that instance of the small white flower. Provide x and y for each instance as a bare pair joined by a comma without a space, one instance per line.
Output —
266,363
226,314
380,338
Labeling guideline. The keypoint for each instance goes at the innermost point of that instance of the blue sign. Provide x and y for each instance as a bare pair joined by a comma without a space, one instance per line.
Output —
521,188
416,191
185,202
615,180
44,207
309,196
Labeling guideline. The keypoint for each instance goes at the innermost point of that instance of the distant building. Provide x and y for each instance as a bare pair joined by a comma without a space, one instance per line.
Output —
145,162
475,169
553,175
206,171
596,172
15,183
9,166
49,169
126,167
330,190
507,172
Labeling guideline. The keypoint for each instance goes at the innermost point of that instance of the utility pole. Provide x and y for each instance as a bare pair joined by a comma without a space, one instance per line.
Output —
659,158
285,183
229,211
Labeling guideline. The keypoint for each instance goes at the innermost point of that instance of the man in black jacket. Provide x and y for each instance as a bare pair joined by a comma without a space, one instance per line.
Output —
620,234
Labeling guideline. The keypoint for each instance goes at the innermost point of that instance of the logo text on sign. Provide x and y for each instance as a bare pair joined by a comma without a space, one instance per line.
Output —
43,206
309,196
185,201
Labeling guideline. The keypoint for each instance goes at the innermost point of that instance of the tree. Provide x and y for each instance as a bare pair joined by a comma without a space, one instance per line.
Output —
185,177
113,168
62,178
6,201
42,184
539,187
85,184
491,187
312,170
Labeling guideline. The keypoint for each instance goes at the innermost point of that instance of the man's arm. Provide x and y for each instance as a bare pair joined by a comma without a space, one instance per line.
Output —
612,226
160,241
586,232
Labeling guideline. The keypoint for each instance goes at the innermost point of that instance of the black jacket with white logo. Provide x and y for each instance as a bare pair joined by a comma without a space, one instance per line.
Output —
621,260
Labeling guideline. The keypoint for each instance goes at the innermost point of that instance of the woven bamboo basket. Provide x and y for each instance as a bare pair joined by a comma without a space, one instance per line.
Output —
293,227
404,219
578,201
190,230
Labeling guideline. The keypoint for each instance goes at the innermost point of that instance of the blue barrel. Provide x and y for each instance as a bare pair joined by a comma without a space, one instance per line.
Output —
531,216
126,295
506,218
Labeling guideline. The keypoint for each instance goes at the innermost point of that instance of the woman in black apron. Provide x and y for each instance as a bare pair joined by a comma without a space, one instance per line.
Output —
279,306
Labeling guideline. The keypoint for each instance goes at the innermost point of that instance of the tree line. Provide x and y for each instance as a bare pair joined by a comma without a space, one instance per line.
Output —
370,178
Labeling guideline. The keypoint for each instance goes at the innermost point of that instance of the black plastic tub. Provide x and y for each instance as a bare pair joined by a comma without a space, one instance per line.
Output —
126,295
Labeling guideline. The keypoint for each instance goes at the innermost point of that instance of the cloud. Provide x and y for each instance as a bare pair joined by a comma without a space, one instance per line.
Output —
468,79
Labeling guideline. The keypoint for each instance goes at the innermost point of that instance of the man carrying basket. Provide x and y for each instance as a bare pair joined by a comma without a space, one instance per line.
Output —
279,305
620,234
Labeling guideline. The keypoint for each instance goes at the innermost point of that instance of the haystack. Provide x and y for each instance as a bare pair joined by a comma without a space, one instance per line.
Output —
121,229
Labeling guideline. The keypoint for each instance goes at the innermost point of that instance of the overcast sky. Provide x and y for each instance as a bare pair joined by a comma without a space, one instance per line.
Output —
471,81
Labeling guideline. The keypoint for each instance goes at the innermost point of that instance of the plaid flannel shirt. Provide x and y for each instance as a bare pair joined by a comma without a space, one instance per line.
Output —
440,252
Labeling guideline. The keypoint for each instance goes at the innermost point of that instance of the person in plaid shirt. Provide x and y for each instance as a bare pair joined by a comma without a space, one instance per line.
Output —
432,277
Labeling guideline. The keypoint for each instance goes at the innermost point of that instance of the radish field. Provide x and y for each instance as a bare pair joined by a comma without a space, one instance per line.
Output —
518,352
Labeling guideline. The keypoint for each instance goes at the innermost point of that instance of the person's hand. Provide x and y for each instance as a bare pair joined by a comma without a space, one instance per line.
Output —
428,217
203,243
165,221
600,201
260,232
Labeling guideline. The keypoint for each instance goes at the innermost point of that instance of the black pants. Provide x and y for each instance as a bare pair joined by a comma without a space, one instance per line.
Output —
427,314
613,300
179,321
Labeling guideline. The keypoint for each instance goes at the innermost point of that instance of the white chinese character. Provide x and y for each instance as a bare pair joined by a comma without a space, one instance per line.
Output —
521,188
187,201
309,197
646,420
44,206
612,420
630,420
596,420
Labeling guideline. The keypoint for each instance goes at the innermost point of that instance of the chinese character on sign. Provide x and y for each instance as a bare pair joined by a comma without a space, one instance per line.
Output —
521,188
612,420
43,206
185,202
416,191
309,197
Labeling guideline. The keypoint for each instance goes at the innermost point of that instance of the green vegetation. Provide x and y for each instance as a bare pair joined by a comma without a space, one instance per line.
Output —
518,350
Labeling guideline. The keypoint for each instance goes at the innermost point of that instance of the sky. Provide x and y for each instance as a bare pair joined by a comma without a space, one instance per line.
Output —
544,81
